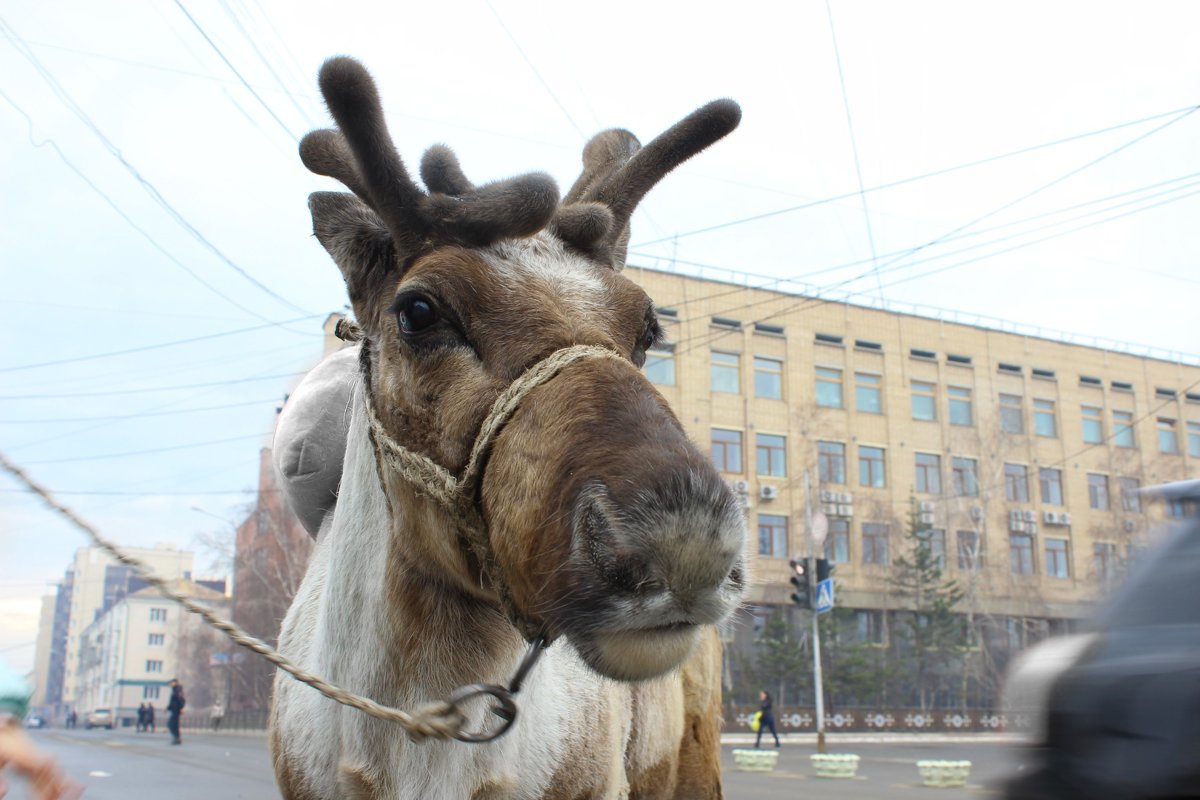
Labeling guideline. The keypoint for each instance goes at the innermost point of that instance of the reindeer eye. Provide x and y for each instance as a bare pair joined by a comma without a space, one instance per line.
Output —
415,314
648,339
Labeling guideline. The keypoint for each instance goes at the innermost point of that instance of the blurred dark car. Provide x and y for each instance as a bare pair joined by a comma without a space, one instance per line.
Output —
1114,712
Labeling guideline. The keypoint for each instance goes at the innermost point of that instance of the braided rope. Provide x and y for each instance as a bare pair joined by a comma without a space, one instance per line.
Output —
437,720
440,719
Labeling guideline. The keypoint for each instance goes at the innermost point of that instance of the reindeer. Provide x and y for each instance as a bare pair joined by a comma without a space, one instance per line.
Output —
588,519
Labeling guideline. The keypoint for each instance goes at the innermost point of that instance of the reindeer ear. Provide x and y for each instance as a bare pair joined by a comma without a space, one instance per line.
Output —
361,246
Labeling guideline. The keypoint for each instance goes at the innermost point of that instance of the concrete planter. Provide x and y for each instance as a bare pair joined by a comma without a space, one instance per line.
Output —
755,760
944,774
834,765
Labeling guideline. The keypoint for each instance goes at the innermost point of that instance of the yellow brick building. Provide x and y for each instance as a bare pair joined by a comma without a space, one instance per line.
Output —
1022,451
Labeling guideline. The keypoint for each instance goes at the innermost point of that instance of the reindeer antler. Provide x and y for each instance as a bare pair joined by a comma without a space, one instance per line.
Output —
362,156
618,172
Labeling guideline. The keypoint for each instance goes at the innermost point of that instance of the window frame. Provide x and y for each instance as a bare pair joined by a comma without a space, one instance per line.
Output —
775,527
717,367
1057,483
1040,414
1099,496
1057,558
725,449
923,473
656,358
1010,483
875,544
1092,422
960,397
926,392
1008,408
775,454
827,459
830,377
762,369
973,474
872,385
868,464
1021,554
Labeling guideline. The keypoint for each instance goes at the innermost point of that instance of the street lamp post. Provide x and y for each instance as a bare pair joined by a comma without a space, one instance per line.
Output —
818,529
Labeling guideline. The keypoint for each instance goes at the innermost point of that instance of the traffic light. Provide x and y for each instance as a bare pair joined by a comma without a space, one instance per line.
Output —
802,581
823,569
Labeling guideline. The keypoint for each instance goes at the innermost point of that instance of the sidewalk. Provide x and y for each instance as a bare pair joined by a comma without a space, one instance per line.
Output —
810,739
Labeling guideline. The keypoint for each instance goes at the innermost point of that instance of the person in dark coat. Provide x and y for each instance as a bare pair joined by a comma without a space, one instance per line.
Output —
141,718
768,718
150,717
174,709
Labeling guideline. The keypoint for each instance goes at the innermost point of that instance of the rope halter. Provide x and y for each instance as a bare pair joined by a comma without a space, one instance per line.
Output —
460,497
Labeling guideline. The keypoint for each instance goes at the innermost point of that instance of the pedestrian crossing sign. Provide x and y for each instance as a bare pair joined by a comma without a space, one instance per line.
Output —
825,596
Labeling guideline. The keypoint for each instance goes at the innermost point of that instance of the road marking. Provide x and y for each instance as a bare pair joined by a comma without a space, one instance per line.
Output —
99,773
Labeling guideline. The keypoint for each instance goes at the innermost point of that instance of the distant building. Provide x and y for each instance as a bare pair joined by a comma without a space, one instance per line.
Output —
131,651
93,584
1024,450
272,550
41,654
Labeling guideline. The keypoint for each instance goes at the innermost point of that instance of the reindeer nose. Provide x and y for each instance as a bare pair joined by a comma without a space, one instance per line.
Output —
678,532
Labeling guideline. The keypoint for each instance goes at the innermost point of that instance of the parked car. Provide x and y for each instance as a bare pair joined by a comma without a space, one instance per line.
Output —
35,721
99,718
1114,711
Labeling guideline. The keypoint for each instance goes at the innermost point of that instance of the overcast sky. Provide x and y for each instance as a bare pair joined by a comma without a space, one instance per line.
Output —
152,194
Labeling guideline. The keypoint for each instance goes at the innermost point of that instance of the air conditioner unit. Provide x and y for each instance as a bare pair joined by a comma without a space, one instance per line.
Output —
829,509
741,486
1051,518
845,497
1031,528
1064,518
1130,525
926,507
744,501
926,517
845,511
768,492
1029,516
977,513
828,496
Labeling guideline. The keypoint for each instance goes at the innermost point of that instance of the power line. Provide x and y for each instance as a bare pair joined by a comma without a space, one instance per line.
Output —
536,73
176,388
914,178
152,451
234,70
144,348
266,62
148,186
128,220
173,412
837,54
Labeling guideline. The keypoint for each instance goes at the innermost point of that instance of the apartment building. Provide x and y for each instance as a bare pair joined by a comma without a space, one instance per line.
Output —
134,648
1023,453
92,584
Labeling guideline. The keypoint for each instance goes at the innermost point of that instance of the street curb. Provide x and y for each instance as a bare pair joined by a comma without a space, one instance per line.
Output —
880,738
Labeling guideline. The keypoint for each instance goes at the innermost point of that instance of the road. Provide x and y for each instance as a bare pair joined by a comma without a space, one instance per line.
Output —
120,765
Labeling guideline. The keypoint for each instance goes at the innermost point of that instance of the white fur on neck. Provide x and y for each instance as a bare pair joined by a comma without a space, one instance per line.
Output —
333,629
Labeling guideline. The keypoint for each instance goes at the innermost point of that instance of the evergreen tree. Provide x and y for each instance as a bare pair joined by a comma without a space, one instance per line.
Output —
784,662
932,634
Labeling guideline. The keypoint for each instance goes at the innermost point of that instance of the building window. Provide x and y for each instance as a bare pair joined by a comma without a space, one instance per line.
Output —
966,480
1012,416
772,535
829,387
1167,443
960,406
1131,499
868,627
871,469
724,371
1098,491
770,455
153,665
660,367
837,543
924,401
970,556
929,473
1193,439
831,462
156,639
933,541
868,398
158,615
1050,482
1020,553
1093,424
1123,428
1016,483
727,450
1057,563
1177,508
1044,421
768,378
150,692
262,521
1104,560
875,543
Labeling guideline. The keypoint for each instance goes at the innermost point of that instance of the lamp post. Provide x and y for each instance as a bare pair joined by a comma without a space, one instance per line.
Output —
818,529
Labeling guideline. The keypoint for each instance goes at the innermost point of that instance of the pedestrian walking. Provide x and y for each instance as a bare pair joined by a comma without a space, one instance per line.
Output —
72,718
217,715
174,709
141,718
150,717
767,720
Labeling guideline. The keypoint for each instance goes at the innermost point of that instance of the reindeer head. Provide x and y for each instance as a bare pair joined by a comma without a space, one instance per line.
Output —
603,521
